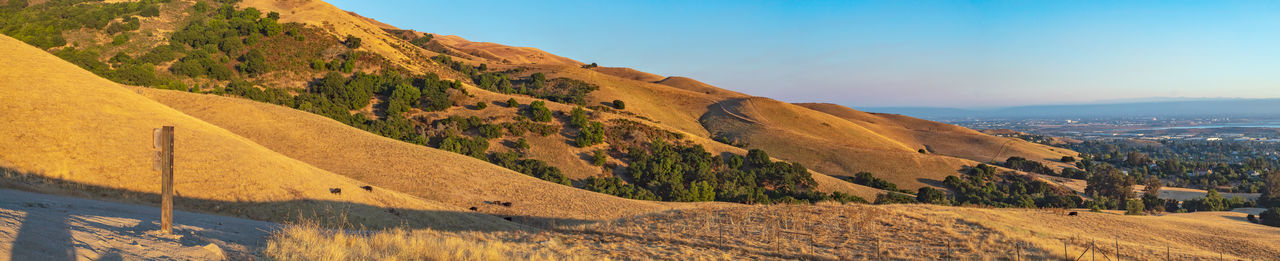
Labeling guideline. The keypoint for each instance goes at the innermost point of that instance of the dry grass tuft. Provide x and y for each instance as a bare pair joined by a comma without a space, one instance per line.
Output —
308,241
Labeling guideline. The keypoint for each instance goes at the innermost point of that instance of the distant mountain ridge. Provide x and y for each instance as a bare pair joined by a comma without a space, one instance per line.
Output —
1180,107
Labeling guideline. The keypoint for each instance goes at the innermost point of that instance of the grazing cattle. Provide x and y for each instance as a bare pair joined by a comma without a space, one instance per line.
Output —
474,208
507,218
506,204
367,188
1073,213
335,191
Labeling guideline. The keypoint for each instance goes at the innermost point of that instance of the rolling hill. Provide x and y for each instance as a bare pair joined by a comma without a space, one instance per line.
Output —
838,141
69,131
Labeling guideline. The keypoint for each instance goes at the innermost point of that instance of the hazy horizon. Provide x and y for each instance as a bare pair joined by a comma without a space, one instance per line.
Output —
893,53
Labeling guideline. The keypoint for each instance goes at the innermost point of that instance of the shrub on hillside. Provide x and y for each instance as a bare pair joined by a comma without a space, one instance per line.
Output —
931,196
538,111
615,186
618,104
598,158
1271,217
591,134
866,179
1134,207
352,42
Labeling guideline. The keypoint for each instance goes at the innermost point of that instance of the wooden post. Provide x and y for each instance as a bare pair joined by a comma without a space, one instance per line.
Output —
163,140
1065,256
877,248
1018,252
1117,248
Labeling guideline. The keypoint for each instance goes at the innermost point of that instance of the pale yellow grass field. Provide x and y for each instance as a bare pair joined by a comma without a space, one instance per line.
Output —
309,242
866,232
65,129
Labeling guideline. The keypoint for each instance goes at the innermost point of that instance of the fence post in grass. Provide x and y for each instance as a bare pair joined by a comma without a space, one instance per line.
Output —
1065,256
162,139
1017,254
1117,248
877,248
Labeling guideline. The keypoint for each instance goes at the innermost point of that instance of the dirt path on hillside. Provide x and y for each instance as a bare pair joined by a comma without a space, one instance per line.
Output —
45,227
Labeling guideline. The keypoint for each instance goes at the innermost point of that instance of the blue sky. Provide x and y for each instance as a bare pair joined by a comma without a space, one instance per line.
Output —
894,53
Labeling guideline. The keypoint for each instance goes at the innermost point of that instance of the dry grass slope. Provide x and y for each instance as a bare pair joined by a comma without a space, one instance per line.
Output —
501,54
826,143
447,177
946,139
852,232
64,123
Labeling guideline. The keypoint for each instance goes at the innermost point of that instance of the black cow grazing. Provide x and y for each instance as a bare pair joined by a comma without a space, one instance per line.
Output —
507,218
367,188
474,209
1073,213
335,191
506,204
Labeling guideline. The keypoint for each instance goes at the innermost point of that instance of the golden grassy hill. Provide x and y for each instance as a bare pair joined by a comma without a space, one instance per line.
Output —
672,107
556,149
827,143
628,73
497,53
433,174
689,84
946,139
884,145
65,126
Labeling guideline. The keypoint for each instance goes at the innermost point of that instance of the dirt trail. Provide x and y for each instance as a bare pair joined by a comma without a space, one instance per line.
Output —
45,227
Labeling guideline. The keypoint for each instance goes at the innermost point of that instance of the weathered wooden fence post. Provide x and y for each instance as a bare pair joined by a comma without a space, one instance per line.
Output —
162,139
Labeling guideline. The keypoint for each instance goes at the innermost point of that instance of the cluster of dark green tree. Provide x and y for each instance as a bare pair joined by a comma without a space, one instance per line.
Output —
42,24
531,167
866,179
674,172
1023,164
1194,164
336,95
470,136
562,90
982,185
222,35
589,132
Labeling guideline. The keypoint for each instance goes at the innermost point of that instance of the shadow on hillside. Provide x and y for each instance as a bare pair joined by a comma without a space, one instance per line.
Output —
334,214
932,182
